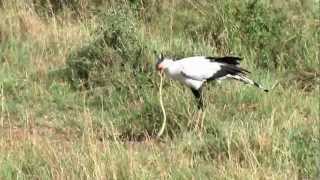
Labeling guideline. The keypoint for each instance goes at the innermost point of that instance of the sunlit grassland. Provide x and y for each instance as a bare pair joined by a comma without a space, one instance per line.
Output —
79,92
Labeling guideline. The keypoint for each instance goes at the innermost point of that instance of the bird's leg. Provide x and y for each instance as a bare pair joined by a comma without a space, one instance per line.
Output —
201,113
198,95
199,123
198,126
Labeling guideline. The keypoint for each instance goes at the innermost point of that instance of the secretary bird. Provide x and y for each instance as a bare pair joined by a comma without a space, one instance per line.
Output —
196,70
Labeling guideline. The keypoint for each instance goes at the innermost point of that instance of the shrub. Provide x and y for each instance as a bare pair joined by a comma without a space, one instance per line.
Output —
116,44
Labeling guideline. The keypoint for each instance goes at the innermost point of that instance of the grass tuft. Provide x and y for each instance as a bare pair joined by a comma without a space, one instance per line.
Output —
79,92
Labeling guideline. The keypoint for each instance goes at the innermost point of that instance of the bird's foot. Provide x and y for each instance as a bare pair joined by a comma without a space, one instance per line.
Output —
199,122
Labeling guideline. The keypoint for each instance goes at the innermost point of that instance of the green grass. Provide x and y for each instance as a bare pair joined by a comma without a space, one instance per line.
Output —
79,91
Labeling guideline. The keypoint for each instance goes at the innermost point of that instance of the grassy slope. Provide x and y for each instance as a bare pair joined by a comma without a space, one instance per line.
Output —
51,130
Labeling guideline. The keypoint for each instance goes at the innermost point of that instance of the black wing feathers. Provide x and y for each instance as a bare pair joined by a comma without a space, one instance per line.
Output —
229,65
233,70
227,60
228,69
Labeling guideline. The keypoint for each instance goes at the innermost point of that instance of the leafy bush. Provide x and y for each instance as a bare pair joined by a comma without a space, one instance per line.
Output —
116,44
116,61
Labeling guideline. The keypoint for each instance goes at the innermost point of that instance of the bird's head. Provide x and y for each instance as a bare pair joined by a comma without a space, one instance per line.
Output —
162,63
159,66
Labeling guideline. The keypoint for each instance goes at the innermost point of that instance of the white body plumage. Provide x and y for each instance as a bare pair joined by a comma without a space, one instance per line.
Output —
191,71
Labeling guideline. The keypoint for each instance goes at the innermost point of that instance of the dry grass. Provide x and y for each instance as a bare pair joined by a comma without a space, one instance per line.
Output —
51,131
